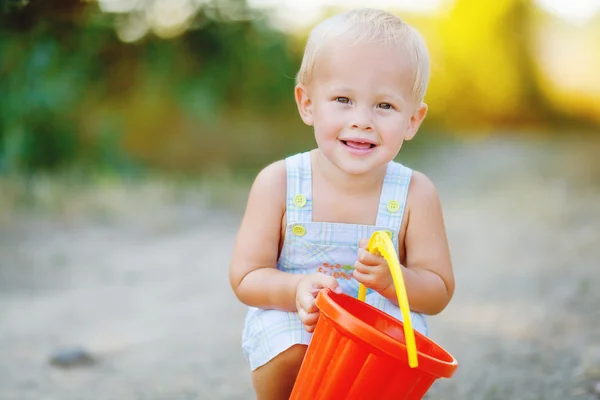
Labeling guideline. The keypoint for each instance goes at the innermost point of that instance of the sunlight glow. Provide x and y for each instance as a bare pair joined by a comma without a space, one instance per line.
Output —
118,6
290,15
574,11
171,17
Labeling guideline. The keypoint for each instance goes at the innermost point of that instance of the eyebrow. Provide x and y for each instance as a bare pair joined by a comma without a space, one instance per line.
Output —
385,95
340,89
390,97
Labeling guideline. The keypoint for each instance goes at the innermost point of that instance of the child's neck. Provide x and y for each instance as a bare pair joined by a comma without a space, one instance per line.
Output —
348,183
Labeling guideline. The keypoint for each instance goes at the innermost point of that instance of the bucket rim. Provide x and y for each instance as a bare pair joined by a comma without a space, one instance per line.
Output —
355,327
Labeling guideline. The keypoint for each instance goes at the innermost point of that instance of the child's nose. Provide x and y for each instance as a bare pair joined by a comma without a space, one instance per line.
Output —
361,120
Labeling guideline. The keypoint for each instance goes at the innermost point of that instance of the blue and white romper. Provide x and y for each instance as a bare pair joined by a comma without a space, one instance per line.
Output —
330,248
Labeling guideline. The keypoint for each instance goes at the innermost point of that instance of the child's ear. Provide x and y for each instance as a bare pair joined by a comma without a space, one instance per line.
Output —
415,121
304,104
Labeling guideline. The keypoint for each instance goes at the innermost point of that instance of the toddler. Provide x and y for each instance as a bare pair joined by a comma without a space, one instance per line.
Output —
361,87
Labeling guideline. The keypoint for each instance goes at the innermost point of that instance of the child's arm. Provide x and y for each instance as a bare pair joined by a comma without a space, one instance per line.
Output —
253,275
428,275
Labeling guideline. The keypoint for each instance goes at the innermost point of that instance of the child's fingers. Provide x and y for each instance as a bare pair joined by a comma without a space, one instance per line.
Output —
326,281
363,243
365,279
310,328
365,269
306,302
308,319
368,258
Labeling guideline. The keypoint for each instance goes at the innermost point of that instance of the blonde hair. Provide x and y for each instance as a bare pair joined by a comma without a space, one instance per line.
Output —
367,25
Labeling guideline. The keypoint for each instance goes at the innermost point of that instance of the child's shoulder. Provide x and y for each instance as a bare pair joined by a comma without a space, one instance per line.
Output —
273,176
422,192
268,191
420,184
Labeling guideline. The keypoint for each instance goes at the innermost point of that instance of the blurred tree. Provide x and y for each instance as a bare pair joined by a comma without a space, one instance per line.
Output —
71,87
482,72
187,85
41,83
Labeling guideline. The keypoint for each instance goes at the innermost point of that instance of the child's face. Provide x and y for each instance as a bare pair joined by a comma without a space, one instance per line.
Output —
361,104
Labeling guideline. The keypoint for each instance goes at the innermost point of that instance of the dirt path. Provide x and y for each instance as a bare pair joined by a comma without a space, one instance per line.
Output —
145,288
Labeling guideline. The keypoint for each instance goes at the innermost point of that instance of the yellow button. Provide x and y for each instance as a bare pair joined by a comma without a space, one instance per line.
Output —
299,230
393,206
300,200
390,234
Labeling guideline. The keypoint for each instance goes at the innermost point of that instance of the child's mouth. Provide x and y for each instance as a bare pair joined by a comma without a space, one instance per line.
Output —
358,145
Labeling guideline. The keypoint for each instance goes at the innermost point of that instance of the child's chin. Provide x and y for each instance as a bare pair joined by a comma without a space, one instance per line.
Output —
357,168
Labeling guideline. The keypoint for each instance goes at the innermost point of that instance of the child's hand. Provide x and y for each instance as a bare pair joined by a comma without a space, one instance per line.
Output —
306,292
371,269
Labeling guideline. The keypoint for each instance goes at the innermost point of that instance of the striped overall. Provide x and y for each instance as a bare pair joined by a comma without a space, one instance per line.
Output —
330,248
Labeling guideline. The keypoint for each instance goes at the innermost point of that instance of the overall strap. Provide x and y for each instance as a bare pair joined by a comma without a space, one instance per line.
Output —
393,197
299,188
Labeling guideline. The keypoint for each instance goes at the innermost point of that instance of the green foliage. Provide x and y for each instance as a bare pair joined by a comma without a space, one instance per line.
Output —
217,91
73,93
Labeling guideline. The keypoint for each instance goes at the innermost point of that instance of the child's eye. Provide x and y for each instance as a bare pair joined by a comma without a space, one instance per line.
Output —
343,100
386,106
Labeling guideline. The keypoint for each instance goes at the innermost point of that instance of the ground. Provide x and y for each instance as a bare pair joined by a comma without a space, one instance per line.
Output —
138,276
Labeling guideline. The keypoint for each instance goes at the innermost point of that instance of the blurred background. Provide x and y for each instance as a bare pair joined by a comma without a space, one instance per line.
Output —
131,130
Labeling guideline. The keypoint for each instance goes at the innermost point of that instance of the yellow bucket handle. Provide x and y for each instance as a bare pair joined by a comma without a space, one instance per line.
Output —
380,240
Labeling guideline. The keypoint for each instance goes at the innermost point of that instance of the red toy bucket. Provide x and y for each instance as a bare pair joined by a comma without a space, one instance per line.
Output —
359,352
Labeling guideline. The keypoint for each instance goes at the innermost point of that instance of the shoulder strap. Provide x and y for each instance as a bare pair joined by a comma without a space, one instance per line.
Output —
393,196
299,188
